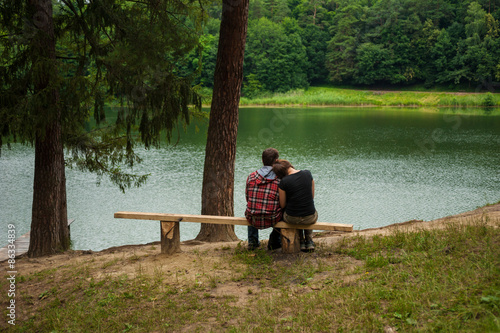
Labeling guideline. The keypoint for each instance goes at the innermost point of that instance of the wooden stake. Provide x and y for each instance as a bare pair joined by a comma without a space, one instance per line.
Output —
170,237
290,241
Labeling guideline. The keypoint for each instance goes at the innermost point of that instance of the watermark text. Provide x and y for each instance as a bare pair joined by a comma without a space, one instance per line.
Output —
11,274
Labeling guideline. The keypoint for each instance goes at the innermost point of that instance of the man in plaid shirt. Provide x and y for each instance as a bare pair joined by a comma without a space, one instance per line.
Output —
263,208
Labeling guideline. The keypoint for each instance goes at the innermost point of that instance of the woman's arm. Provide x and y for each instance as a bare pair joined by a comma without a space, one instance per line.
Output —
282,198
313,188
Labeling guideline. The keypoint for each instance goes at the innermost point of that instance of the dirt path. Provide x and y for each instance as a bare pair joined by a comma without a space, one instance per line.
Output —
128,259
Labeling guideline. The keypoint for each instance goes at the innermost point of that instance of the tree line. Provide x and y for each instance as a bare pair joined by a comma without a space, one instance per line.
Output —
296,43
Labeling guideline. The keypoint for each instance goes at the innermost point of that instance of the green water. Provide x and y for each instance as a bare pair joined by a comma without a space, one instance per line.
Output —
372,167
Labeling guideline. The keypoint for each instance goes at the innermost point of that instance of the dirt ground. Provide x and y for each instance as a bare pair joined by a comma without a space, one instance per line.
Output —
197,258
199,263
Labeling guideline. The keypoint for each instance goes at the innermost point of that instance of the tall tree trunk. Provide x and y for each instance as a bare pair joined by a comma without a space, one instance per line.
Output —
218,175
49,224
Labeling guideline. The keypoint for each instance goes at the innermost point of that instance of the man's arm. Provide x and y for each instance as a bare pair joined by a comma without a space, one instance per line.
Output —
313,188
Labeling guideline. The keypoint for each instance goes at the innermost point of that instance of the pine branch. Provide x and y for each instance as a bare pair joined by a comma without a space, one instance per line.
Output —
66,58
11,35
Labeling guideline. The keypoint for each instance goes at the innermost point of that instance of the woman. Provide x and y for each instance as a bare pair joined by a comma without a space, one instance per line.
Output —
296,192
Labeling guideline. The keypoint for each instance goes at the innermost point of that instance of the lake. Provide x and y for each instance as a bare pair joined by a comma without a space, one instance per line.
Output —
372,167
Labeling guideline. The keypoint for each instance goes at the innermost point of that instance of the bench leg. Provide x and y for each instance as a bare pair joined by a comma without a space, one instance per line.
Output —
290,240
170,237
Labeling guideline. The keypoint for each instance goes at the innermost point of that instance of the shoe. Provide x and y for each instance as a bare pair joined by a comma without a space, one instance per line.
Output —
273,246
302,246
310,246
252,247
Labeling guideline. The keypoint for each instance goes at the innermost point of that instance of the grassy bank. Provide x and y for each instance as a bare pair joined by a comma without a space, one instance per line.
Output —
430,280
329,96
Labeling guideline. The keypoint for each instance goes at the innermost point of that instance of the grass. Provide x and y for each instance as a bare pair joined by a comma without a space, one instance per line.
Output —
331,96
430,280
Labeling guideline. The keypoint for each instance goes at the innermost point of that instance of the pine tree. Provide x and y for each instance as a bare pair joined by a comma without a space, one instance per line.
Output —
59,66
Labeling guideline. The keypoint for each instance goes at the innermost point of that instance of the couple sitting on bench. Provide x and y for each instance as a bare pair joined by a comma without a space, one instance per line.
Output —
278,191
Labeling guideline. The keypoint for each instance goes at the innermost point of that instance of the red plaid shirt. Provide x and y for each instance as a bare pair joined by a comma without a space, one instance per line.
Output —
263,204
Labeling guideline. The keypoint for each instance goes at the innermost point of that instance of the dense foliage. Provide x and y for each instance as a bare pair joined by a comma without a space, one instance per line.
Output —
128,52
295,43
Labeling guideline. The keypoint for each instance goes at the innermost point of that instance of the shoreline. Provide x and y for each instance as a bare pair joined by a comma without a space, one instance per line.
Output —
492,211
320,96
410,106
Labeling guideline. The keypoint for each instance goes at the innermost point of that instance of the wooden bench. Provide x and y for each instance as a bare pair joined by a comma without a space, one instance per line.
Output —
170,232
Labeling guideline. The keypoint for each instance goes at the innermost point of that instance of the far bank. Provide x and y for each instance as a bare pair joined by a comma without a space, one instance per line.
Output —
331,96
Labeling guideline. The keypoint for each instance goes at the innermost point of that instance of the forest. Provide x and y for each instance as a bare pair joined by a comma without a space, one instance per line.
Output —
295,44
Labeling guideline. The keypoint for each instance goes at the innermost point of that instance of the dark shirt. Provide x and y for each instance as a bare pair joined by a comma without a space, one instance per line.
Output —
299,197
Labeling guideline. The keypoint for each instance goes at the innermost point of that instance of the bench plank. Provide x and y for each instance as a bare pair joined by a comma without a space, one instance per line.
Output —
226,220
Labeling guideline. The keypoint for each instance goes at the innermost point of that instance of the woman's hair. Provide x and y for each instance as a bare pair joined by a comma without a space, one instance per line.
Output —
281,167
269,156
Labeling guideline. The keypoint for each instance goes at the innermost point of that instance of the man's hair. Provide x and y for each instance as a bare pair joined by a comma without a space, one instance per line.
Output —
269,156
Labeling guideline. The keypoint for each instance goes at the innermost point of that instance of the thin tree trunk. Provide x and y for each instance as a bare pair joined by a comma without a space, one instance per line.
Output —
49,224
220,153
